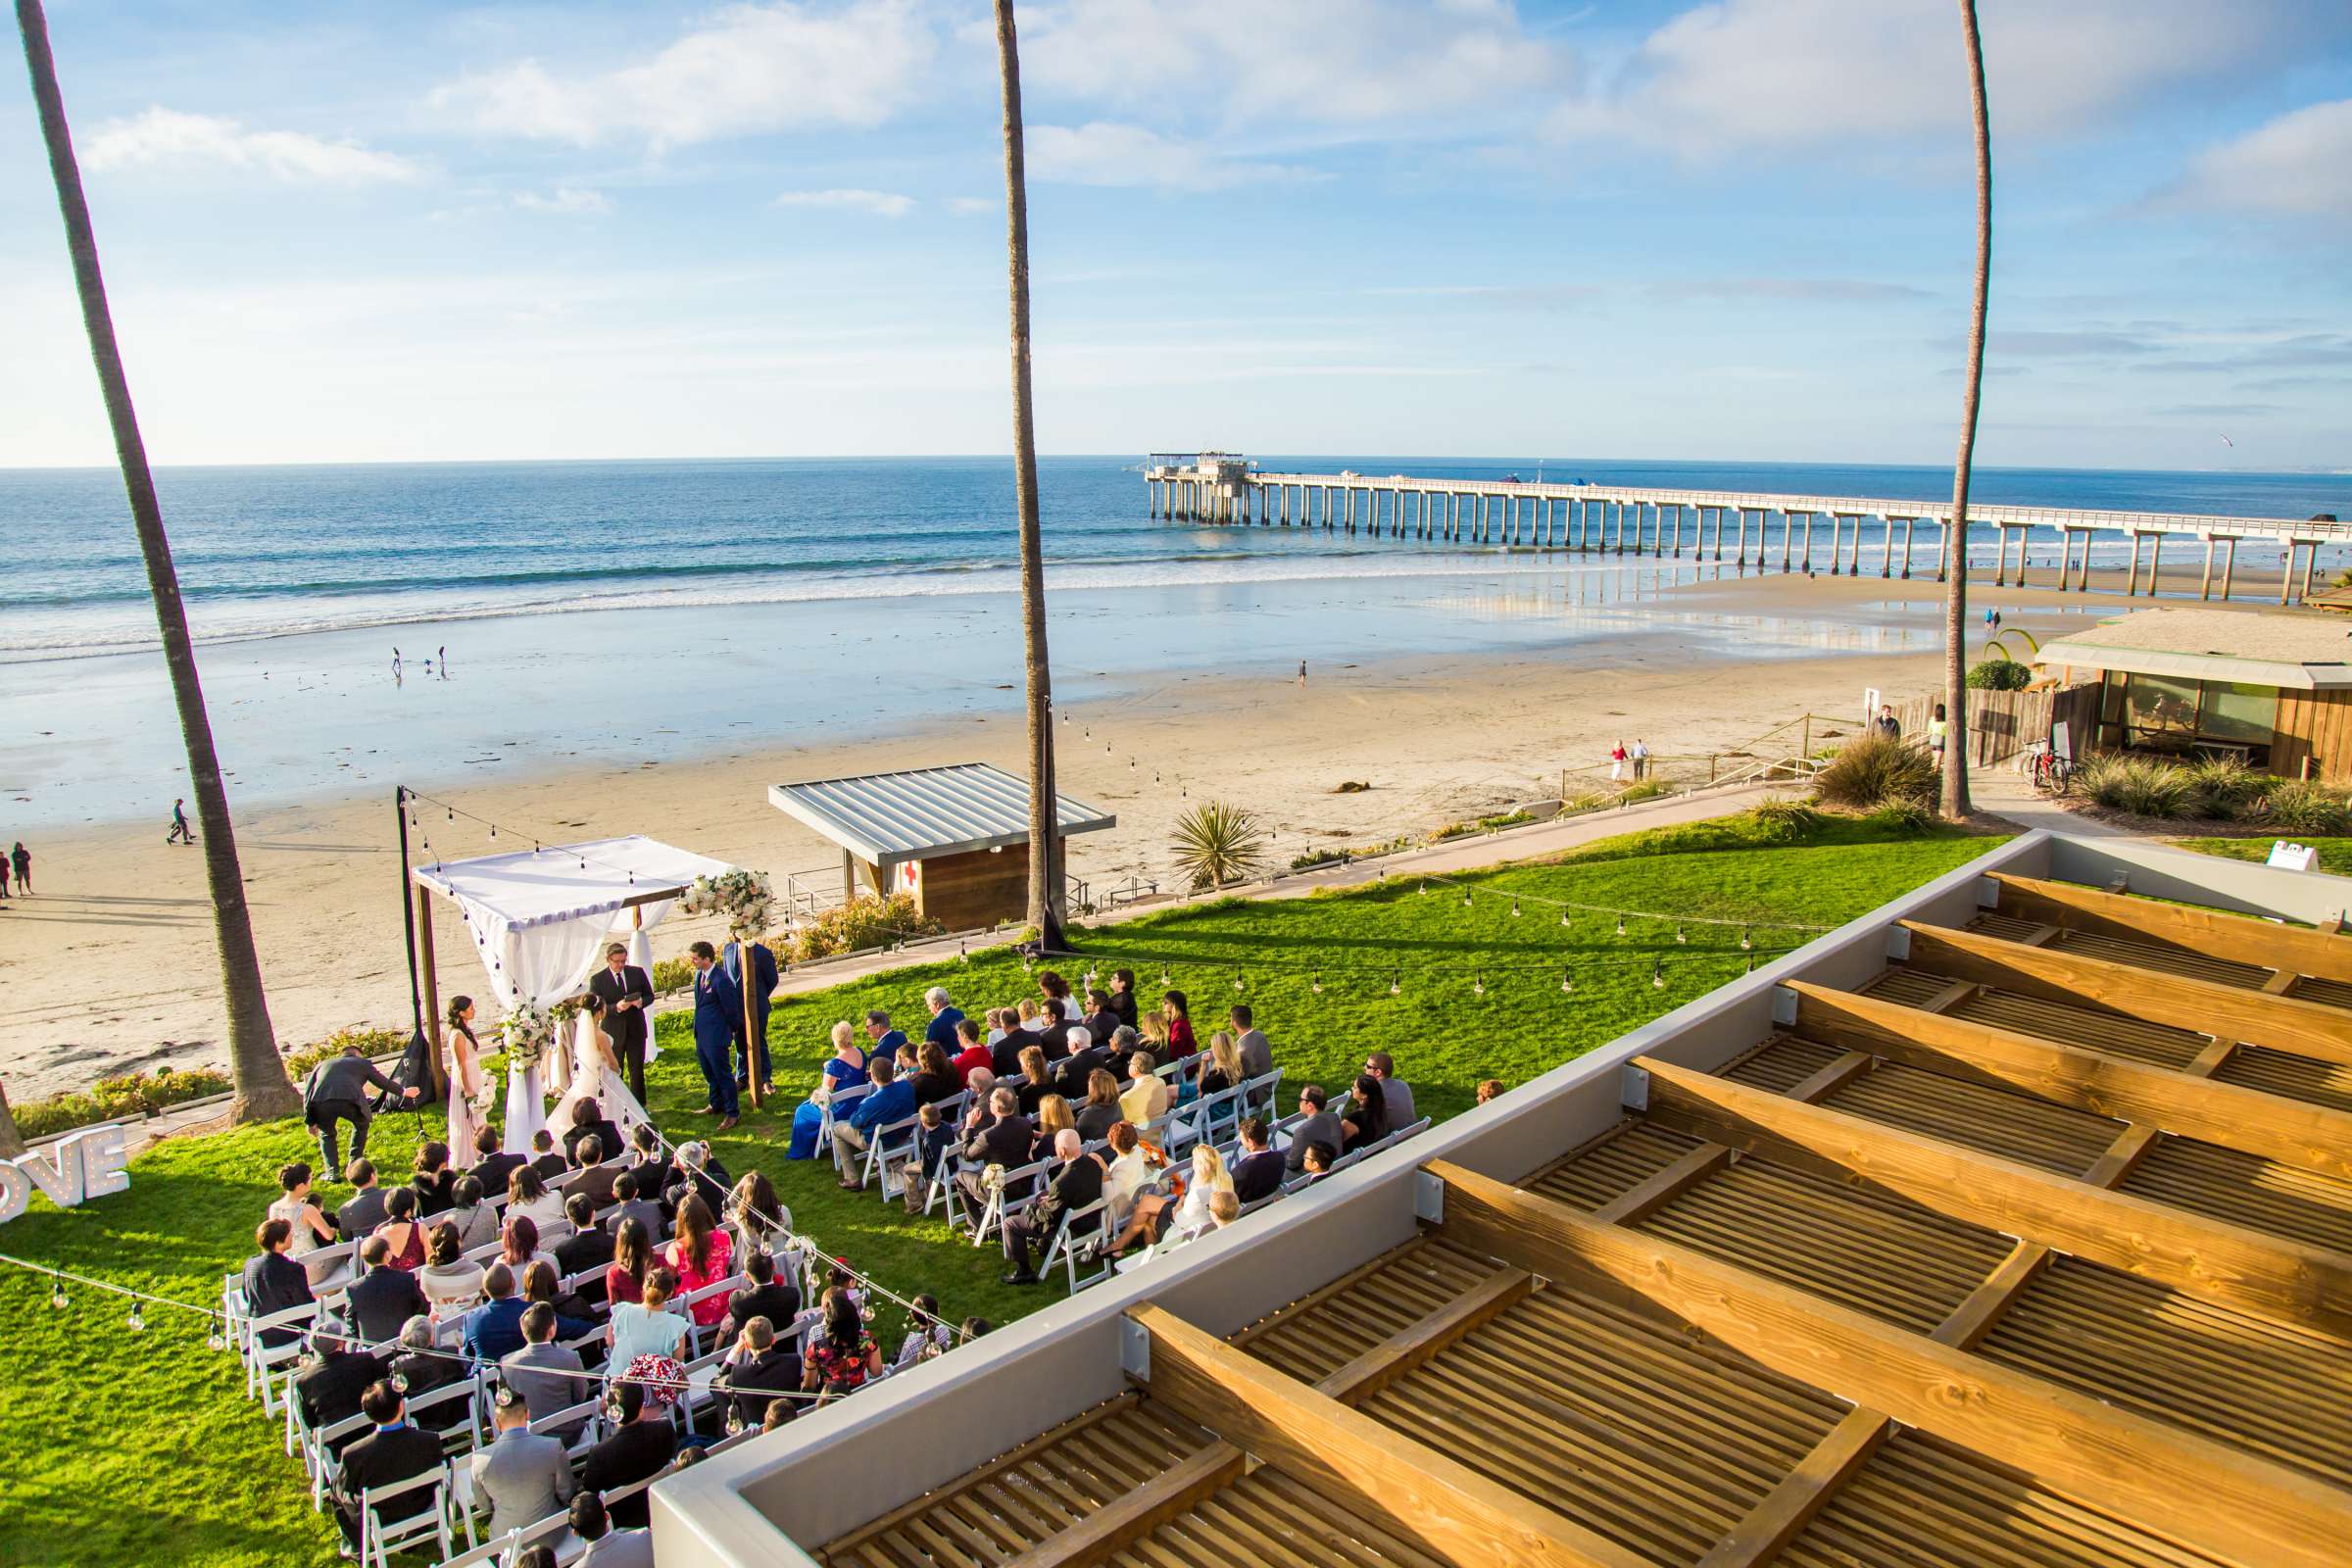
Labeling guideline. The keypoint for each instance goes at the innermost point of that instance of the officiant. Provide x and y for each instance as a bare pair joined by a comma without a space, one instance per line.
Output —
627,991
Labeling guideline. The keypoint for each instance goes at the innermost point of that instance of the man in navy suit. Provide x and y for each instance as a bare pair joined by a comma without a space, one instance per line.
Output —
718,1014
765,976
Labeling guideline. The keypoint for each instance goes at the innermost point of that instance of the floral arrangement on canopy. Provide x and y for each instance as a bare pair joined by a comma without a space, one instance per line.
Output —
743,897
528,1031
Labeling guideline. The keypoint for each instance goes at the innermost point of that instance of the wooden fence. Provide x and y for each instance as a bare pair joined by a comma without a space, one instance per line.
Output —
2000,725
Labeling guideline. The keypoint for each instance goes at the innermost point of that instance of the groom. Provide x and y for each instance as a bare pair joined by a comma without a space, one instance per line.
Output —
718,1005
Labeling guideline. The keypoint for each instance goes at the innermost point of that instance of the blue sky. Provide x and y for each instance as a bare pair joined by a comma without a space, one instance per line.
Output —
1737,230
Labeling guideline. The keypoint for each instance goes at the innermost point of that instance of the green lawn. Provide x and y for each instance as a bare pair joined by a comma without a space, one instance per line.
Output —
2335,854
140,1448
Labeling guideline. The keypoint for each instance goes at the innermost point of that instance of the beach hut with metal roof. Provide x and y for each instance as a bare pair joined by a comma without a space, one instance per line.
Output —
954,836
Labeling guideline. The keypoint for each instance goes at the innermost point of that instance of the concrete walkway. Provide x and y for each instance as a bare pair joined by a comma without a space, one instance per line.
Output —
2003,792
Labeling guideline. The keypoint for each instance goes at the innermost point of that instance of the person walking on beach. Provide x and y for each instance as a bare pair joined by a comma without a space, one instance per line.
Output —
1303,674
180,833
3,876
22,857
1641,757
1617,754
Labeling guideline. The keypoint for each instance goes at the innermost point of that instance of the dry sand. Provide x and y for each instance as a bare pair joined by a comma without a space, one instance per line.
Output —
111,965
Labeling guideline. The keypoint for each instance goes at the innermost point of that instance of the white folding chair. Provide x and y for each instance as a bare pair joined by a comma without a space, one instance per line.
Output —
1000,1207
378,1540
884,1147
836,1102
262,1360
1064,1249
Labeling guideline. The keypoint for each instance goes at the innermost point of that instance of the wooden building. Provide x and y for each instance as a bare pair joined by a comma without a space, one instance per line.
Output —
956,838
2273,688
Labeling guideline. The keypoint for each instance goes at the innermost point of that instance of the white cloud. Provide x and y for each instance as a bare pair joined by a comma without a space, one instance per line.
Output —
1107,152
2299,164
567,201
165,138
1766,74
745,71
880,203
1346,61
973,206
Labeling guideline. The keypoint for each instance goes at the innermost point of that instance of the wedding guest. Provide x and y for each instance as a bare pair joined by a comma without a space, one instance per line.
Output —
543,1159
1487,1089
945,1016
1102,1021
327,1388
648,1327
1052,1117
382,1297
1077,1183
1259,1171
364,1210
757,1216
654,1169
892,1100
641,1445
548,1376
1036,1081
599,1168
841,1356
452,1281
1257,1054
1148,1099
475,1217
1364,1116
589,1245
926,1335
632,1260
756,1371
420,1368
971,1054
701,1174
1122,995
933,1137
313,1230
492,1165
700,1256
528,1198
432,1181
1176,1013
1318,1128
524,1476
844,1071
1130,1172
519,1244
1224,1070
935,1076
273,1282
776,1299
1101,1109
395,1450
588,1120
1223,1209
630,1202
608,1547
542,1283
402,1230
1383,1066
1087,1051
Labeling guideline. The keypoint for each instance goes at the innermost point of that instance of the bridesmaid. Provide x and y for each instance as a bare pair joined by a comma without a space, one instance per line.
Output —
464,1068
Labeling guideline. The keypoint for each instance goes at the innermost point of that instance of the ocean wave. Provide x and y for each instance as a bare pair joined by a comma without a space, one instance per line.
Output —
21,642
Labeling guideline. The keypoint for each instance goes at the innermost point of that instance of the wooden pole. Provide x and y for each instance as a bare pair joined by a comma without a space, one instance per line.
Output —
432,987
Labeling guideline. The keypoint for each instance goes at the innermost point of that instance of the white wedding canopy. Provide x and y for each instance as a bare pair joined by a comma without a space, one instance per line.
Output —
541,917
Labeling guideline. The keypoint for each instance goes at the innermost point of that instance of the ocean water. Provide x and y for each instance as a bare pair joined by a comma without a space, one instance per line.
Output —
273,552
626,613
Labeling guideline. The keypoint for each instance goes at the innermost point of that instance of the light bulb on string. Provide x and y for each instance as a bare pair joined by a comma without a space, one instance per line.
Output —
1395,983
1236,982
1564,917
1746,945
1478,987
1678,935
1621,925
1567,981
1318,985
216,1340
1514,909
1465,898
1165,979
135,1323
963,953
1657,974
1425,887
57,1294
494,830
1751,963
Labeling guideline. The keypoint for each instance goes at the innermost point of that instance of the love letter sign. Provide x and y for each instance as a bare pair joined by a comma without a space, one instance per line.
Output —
79,1165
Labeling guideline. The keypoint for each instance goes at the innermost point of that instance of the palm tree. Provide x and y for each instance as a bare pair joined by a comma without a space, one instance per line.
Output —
1217,842
12,1142
264,1092
1044,840
1955,593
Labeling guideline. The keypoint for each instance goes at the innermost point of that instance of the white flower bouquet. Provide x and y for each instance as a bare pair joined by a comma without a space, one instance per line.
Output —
527,1032
743,897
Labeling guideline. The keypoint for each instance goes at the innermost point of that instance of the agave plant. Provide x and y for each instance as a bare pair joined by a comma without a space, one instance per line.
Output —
1217,842
1871,769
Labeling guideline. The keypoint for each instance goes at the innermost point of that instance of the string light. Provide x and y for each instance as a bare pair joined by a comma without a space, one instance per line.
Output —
1318,985
135,1323
1745,944
1395,983
1621,925
1567,980
1657,975
1424,888
1236,982
57,1294
1564,917
1678,935
1478,987
1514,909
1465,898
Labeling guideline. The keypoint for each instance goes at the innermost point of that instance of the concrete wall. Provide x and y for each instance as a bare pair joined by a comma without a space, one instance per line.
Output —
830,1472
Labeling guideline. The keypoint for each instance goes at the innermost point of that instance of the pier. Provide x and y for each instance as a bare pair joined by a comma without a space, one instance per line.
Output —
1845,535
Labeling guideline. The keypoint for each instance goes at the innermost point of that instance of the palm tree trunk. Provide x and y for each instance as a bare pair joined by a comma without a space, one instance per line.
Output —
1955,594
12,1142
1044,841
264,1092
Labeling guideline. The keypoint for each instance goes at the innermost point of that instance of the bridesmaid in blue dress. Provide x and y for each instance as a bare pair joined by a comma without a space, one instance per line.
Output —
847,1070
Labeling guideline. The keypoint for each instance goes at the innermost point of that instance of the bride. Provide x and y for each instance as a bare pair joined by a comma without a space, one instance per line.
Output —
595,1076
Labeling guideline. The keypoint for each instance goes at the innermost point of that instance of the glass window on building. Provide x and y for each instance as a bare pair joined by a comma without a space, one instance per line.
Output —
2241,715
2160,709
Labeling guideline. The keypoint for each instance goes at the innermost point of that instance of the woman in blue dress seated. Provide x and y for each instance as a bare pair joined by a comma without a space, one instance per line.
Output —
847,1070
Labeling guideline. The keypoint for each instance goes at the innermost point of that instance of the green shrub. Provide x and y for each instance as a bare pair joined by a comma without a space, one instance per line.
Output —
2146,786
1583,804
672,975
1453,830
1905,817
2224,787
1784,820
114,1099
859,925
2306,805
1218,843
2000,673
1872,769
371,1042
1315,858
1506,820
1649,789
